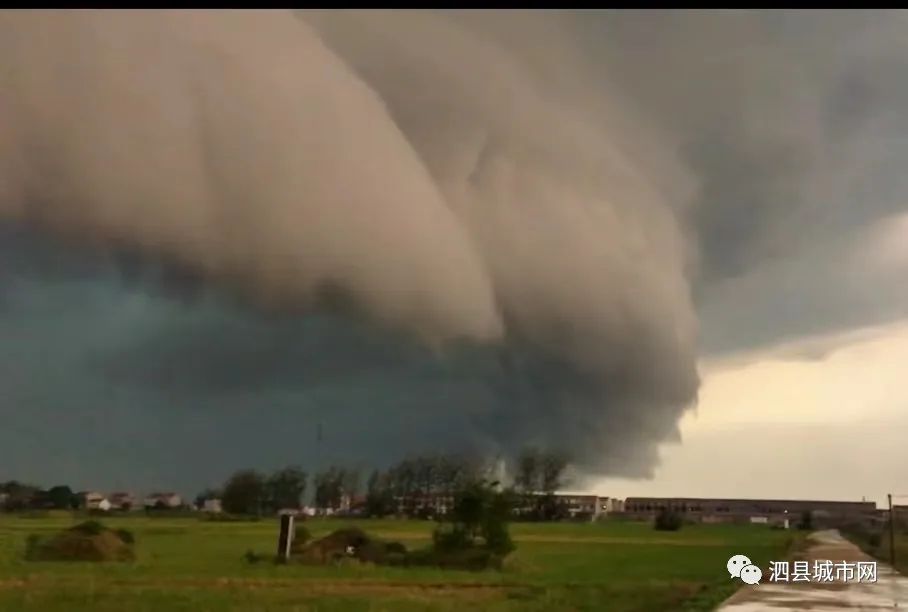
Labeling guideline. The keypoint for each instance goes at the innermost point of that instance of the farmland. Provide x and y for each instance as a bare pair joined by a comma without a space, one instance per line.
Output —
188,564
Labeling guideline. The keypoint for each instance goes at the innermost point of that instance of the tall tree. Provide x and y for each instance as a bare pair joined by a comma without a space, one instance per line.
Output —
554,463
329,488
552,470
61,497
285,488
244,493
527,473
379,497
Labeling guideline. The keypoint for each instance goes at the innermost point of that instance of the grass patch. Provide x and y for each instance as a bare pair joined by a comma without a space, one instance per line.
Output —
188,564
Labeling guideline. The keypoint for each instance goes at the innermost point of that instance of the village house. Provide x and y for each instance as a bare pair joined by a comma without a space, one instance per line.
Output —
123,501
162,501
92,500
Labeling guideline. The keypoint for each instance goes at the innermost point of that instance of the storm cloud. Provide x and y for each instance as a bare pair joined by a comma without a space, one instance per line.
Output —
516,210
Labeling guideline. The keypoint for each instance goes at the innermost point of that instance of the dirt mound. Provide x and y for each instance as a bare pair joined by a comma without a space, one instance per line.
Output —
89,541
347,543
352,544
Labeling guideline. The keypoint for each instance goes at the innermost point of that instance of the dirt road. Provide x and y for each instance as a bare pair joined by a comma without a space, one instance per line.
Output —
889,592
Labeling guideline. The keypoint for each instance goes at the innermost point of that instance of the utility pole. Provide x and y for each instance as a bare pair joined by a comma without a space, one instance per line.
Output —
891,532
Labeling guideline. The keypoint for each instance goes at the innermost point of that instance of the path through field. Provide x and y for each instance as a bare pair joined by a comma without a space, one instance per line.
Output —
889,592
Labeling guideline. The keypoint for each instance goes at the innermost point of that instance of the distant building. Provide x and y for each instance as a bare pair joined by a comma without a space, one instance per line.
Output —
610,505
168,501
435,504
747,510
92,500
579,505
120,500
212,505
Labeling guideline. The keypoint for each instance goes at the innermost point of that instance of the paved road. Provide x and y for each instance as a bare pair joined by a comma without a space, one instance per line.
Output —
890,591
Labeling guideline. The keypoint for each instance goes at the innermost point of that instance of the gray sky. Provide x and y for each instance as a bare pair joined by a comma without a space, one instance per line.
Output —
638,200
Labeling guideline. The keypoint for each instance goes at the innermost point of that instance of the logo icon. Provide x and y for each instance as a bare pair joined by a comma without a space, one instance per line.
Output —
740,566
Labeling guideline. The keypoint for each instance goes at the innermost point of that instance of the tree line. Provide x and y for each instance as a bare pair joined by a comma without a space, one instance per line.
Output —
420,486
424,486
17,496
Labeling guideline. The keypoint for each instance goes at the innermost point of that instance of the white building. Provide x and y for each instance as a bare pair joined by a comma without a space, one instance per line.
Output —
163,500
92,500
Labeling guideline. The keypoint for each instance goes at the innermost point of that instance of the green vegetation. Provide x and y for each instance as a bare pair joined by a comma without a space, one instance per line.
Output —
193,565
668,520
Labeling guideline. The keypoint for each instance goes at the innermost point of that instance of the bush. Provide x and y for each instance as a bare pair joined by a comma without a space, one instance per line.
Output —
668,520
451,538
806,522
497,538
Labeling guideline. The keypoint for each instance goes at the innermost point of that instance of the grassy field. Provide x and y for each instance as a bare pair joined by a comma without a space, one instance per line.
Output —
187,564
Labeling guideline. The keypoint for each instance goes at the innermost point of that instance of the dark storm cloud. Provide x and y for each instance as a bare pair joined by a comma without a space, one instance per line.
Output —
582,187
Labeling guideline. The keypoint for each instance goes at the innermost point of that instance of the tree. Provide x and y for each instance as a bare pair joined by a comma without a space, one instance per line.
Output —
61,497
480,512
379,498
244,493
19,495
538,475
349,482
329,488
552,470
527,474
668,520
285,488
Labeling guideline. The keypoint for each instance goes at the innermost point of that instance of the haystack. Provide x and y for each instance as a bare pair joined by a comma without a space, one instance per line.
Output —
89,541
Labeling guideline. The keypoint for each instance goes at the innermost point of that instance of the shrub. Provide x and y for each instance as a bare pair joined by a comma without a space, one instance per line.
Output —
668,520
806,522
497,538
451,538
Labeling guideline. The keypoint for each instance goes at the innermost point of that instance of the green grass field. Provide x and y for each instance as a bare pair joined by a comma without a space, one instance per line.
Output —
187,564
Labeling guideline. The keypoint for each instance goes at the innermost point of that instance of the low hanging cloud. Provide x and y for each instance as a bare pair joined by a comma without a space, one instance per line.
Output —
542,186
